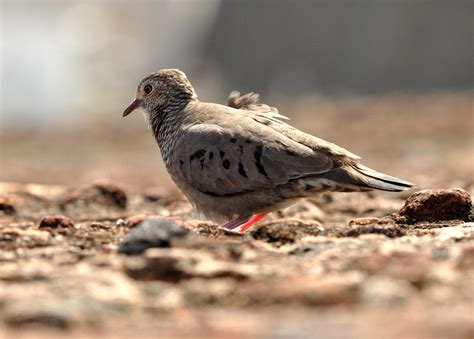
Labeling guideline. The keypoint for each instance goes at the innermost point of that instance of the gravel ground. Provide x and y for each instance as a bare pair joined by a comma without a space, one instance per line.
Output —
123,257
96,261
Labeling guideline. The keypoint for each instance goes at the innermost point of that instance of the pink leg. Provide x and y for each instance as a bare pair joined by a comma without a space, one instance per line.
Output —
255,218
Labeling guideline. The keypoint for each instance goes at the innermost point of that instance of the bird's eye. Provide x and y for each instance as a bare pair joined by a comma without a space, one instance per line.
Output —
148,89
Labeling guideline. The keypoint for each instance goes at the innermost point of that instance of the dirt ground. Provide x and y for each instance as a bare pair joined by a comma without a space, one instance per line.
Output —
83,256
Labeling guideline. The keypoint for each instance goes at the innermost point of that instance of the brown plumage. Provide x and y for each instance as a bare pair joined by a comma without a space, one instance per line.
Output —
242,159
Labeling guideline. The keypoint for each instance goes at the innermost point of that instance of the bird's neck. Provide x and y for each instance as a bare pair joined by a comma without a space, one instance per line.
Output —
166,125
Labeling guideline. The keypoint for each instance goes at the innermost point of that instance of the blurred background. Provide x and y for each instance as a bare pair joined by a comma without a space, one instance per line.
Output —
391,81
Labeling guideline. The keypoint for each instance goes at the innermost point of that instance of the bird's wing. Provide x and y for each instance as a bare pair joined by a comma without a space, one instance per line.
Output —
227,160
251,102
267,115
308,140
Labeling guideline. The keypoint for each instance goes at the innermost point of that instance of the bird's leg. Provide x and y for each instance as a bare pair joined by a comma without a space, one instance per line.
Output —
234,223
255,218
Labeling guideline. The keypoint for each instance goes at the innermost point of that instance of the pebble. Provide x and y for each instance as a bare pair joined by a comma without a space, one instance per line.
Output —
151,232
134,220
56,221
389,230
286,231
363,221
101,192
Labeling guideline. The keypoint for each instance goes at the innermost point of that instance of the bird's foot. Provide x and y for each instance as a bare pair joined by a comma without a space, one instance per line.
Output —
244,224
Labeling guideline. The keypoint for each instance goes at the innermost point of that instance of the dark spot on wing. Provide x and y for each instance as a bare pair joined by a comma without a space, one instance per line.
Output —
226,164
211,155
242,170
197,155
214,194
233,140
221,153
258,160
248,141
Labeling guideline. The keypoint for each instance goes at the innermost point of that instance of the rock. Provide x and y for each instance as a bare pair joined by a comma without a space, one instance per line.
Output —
100,192
363,221
287,231
371,225
99,225
22,204
6,205
151,232
436,205
56,222
135,220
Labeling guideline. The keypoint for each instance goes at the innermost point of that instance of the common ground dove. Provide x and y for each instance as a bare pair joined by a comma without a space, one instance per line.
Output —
235,163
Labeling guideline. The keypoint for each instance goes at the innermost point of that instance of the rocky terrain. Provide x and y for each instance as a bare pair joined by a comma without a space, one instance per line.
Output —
124,257
96,261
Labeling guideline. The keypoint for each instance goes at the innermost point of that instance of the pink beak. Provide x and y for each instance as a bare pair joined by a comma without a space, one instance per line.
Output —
133,106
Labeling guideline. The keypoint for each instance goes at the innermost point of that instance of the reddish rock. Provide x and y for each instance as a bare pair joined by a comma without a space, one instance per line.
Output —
101,192
136,219
436,205
56,221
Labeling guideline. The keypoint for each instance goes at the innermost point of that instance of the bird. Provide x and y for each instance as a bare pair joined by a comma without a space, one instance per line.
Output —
237,162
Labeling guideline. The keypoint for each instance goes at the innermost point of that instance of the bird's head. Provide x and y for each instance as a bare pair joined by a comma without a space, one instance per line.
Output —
162,90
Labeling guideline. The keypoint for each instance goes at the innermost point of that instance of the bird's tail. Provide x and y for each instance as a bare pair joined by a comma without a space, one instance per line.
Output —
380,181
356,178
